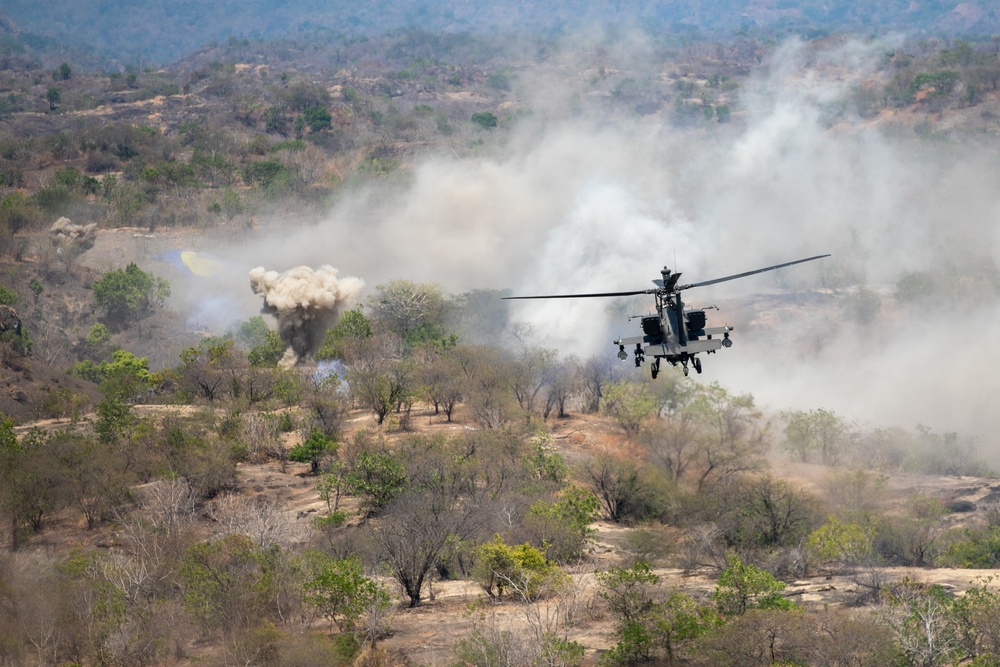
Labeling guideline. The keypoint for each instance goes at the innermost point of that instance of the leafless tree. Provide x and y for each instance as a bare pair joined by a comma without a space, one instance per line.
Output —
261,520
595,374
257,432
530,372
487,389
412,534
379,376
672,444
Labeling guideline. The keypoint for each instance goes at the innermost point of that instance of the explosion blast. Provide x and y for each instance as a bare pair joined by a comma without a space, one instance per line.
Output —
306,302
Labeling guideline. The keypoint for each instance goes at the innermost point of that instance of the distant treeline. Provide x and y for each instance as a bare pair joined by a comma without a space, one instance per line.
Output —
162,32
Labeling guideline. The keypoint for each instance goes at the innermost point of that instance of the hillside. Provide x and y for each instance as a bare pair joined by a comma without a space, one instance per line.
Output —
286,492
262,402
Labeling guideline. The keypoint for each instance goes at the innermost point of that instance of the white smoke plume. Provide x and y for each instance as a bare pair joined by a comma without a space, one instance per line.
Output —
306,302
577,201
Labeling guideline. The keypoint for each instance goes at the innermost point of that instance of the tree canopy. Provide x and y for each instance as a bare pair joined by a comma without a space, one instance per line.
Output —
129,294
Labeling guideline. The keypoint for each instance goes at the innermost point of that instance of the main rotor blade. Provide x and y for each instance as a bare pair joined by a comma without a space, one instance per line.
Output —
582,296
750,273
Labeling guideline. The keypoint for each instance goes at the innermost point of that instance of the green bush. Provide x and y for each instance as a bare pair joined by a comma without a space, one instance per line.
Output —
564,526
649,625
68,177
7,297
125,376
317,118
264,173
54,200
36,287
743,586
18,211
130,294
522,569
979,549
485,120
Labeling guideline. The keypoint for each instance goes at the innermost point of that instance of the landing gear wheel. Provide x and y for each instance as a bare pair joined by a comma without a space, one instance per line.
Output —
654,368
685,370
697,365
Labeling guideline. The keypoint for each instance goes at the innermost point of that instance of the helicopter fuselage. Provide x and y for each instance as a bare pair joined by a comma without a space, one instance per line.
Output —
674,334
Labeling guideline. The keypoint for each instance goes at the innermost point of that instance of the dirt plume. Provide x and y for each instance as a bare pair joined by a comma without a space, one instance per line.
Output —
306,302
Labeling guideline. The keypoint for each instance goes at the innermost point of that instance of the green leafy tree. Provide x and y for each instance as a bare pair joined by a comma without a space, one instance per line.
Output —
115,420
563,526
351,327
649,626
500,567
18,211
976,619
340,591
130,294
629,404
313,450
317,118
29,483
97,345
845,543
268,352
378,477
232,583
920,618
816,430
250,333
414,311
628,591
730,437
265,173
332,485
743,586
125,376
54,96
19,341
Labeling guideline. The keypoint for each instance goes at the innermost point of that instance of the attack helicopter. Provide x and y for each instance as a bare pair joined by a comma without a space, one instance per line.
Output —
674,333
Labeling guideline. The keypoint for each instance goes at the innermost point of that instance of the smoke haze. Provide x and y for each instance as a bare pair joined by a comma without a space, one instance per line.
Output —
306,302
592,203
